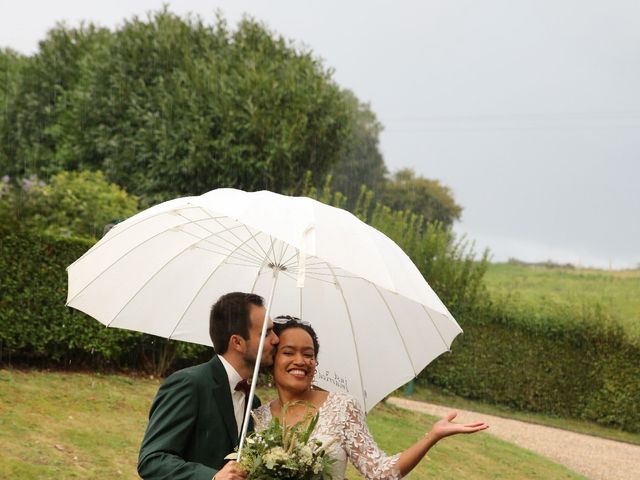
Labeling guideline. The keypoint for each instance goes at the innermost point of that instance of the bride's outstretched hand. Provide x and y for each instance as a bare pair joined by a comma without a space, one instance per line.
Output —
441,429
444,428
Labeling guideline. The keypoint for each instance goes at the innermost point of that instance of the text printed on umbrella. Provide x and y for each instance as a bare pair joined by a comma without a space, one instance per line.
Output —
334,379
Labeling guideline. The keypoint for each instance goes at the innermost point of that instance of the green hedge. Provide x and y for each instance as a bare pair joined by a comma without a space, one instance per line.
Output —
567,363
36,326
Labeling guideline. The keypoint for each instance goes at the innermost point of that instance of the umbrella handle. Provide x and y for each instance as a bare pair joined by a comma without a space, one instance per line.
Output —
256,369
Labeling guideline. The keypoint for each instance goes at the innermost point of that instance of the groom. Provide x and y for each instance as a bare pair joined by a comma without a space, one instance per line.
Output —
196,417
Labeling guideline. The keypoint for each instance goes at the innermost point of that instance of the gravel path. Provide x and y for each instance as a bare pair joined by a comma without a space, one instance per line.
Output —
596,458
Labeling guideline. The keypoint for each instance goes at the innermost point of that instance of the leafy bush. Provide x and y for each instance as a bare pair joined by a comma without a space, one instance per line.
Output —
424,196
73,204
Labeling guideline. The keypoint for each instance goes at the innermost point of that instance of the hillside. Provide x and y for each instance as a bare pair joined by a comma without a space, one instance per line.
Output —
616,291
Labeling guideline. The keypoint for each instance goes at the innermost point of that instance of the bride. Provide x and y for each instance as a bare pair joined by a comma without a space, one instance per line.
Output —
341,417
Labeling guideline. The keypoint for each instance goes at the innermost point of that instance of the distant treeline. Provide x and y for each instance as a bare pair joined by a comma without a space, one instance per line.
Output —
545,264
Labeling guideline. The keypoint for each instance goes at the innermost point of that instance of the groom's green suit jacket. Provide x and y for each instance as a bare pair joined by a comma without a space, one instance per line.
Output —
192,426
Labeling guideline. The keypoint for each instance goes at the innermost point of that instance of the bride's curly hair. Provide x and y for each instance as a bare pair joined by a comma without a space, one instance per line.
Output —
284,322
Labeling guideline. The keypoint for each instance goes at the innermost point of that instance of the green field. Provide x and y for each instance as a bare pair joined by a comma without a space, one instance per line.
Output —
75,425
617,292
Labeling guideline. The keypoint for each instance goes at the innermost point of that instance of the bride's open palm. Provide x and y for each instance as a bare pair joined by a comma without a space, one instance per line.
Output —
445,428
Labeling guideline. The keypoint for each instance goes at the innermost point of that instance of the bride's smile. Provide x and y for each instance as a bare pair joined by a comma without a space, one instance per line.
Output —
295,360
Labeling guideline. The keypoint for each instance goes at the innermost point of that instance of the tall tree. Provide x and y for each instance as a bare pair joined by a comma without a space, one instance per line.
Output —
360,162
169,106
10,65
40,100
422,196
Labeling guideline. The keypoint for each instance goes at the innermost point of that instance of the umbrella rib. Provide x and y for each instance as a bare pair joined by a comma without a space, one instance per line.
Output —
257,254
289,262
330,274
315,267
395,322
252,265
251,254
286,262
319,271
266,254
436,327
285,247
251,260
145,241
275,255
193,299
288,274
264,261
251,235
353,336
104,241
321,262
155,274
205,239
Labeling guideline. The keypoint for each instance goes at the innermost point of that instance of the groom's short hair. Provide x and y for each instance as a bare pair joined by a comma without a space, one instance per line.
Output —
230,316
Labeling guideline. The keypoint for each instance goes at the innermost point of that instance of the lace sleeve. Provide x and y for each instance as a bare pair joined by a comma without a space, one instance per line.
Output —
362,449
261,417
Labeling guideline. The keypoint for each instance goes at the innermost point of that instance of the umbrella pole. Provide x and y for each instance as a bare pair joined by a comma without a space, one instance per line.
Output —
256,369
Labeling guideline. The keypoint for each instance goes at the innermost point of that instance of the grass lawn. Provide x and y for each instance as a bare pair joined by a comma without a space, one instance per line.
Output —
618,292
76,425
60,425
437,396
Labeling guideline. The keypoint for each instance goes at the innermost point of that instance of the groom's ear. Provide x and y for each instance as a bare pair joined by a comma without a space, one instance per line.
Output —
237,343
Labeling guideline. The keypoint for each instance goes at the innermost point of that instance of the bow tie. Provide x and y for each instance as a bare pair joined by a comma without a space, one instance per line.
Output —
243,386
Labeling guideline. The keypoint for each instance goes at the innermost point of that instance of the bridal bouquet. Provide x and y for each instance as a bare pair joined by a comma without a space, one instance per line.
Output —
286,452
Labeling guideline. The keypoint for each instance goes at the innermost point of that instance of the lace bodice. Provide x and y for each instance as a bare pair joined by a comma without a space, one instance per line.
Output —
342,419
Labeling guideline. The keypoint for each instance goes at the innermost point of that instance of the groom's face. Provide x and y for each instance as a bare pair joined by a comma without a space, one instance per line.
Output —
256,317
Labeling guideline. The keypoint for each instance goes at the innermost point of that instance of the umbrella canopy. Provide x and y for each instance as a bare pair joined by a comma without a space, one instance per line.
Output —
378,321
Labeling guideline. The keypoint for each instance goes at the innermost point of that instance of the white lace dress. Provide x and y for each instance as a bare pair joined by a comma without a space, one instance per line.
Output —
342,419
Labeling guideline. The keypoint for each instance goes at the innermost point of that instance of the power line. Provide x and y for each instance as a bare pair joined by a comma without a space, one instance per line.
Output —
549,121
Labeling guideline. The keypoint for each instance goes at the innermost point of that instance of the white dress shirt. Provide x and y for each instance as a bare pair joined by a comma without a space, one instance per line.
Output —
238,398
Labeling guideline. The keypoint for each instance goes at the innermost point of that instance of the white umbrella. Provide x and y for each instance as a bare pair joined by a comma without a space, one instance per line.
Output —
378,321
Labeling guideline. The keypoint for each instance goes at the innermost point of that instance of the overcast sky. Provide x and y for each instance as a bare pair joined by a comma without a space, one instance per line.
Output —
528,110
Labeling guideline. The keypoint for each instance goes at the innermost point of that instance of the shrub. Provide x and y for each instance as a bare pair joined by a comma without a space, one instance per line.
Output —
76,204
36,327
572,362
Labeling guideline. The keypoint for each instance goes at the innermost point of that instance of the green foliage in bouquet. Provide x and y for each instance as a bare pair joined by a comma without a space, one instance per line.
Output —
287,452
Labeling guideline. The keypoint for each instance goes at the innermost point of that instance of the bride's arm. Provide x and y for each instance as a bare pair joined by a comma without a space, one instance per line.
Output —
373,463
441,429
360,446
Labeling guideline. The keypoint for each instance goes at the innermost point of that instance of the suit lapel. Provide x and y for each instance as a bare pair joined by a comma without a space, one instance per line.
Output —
222,394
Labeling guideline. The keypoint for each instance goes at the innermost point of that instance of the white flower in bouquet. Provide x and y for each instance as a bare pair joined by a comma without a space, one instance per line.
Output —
286,452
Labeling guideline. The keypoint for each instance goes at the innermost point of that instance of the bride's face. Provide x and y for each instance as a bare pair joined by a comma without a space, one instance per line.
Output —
295,361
